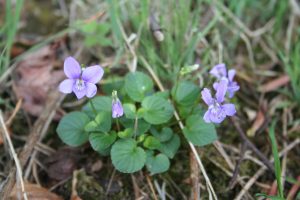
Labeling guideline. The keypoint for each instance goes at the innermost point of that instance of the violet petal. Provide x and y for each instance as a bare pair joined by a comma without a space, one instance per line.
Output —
66,86
219,71
91,90
221,90
231,74
229,109
92,74
72,68
206,96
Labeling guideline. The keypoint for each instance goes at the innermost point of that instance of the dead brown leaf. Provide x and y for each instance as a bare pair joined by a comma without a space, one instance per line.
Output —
35,192
259,121
275,84
35,77
62,164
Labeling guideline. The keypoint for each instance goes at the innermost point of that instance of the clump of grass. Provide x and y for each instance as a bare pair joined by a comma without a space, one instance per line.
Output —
8,31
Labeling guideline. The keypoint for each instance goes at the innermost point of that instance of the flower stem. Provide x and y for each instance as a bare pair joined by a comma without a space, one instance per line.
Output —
93,107
118,125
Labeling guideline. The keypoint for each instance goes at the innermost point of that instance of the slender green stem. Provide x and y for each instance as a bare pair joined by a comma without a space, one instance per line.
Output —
93,107
118,125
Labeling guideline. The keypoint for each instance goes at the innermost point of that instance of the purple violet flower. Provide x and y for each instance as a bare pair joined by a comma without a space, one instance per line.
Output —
217,111
81,81
220,72
117,108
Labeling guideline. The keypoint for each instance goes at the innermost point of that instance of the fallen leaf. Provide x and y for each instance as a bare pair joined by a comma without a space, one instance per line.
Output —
275,84
62,164
259,121
35,77
34,192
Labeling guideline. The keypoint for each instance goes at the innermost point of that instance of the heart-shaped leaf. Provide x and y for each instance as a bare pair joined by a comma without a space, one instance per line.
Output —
71,128
127,157
198,132
157,110
137,85
157,164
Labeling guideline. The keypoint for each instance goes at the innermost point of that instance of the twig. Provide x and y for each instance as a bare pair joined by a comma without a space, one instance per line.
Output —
13,115
156,79
237,167
136,188
263,169
110,181
194,177
151,187
243,136
13,152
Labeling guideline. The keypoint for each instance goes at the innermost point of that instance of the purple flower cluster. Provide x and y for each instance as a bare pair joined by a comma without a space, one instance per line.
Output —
81,81
217,109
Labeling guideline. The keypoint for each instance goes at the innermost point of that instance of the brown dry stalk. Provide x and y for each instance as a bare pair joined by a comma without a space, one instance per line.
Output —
40,126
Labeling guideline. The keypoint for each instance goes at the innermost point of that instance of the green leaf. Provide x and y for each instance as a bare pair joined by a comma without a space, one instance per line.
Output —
127,133
101,123
151,143
198,132
129,110
186,93
157,110
165,94
276,158
157,164
142,126
102,141
137,85
188,69
101,103
170,147
127,157
71,129
164,135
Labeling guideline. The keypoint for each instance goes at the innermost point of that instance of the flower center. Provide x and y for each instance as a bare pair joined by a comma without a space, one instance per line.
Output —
79,85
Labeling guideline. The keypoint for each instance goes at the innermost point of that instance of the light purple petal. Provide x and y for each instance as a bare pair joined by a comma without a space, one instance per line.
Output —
229,109
79,93
66,86
217,116
231,74
232,88
215,85
72,68
206,96
206,117
221,90
92,74
91,90
219,71
117,109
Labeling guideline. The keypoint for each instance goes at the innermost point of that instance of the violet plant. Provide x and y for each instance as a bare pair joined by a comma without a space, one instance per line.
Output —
136,129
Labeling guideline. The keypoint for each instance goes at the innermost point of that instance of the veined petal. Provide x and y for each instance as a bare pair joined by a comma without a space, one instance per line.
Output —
72,68
92,74
231,74
91,90
229,109
66,86
219,71
215,85
232,88
206,117
221,90
79,93
217,117
206,96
